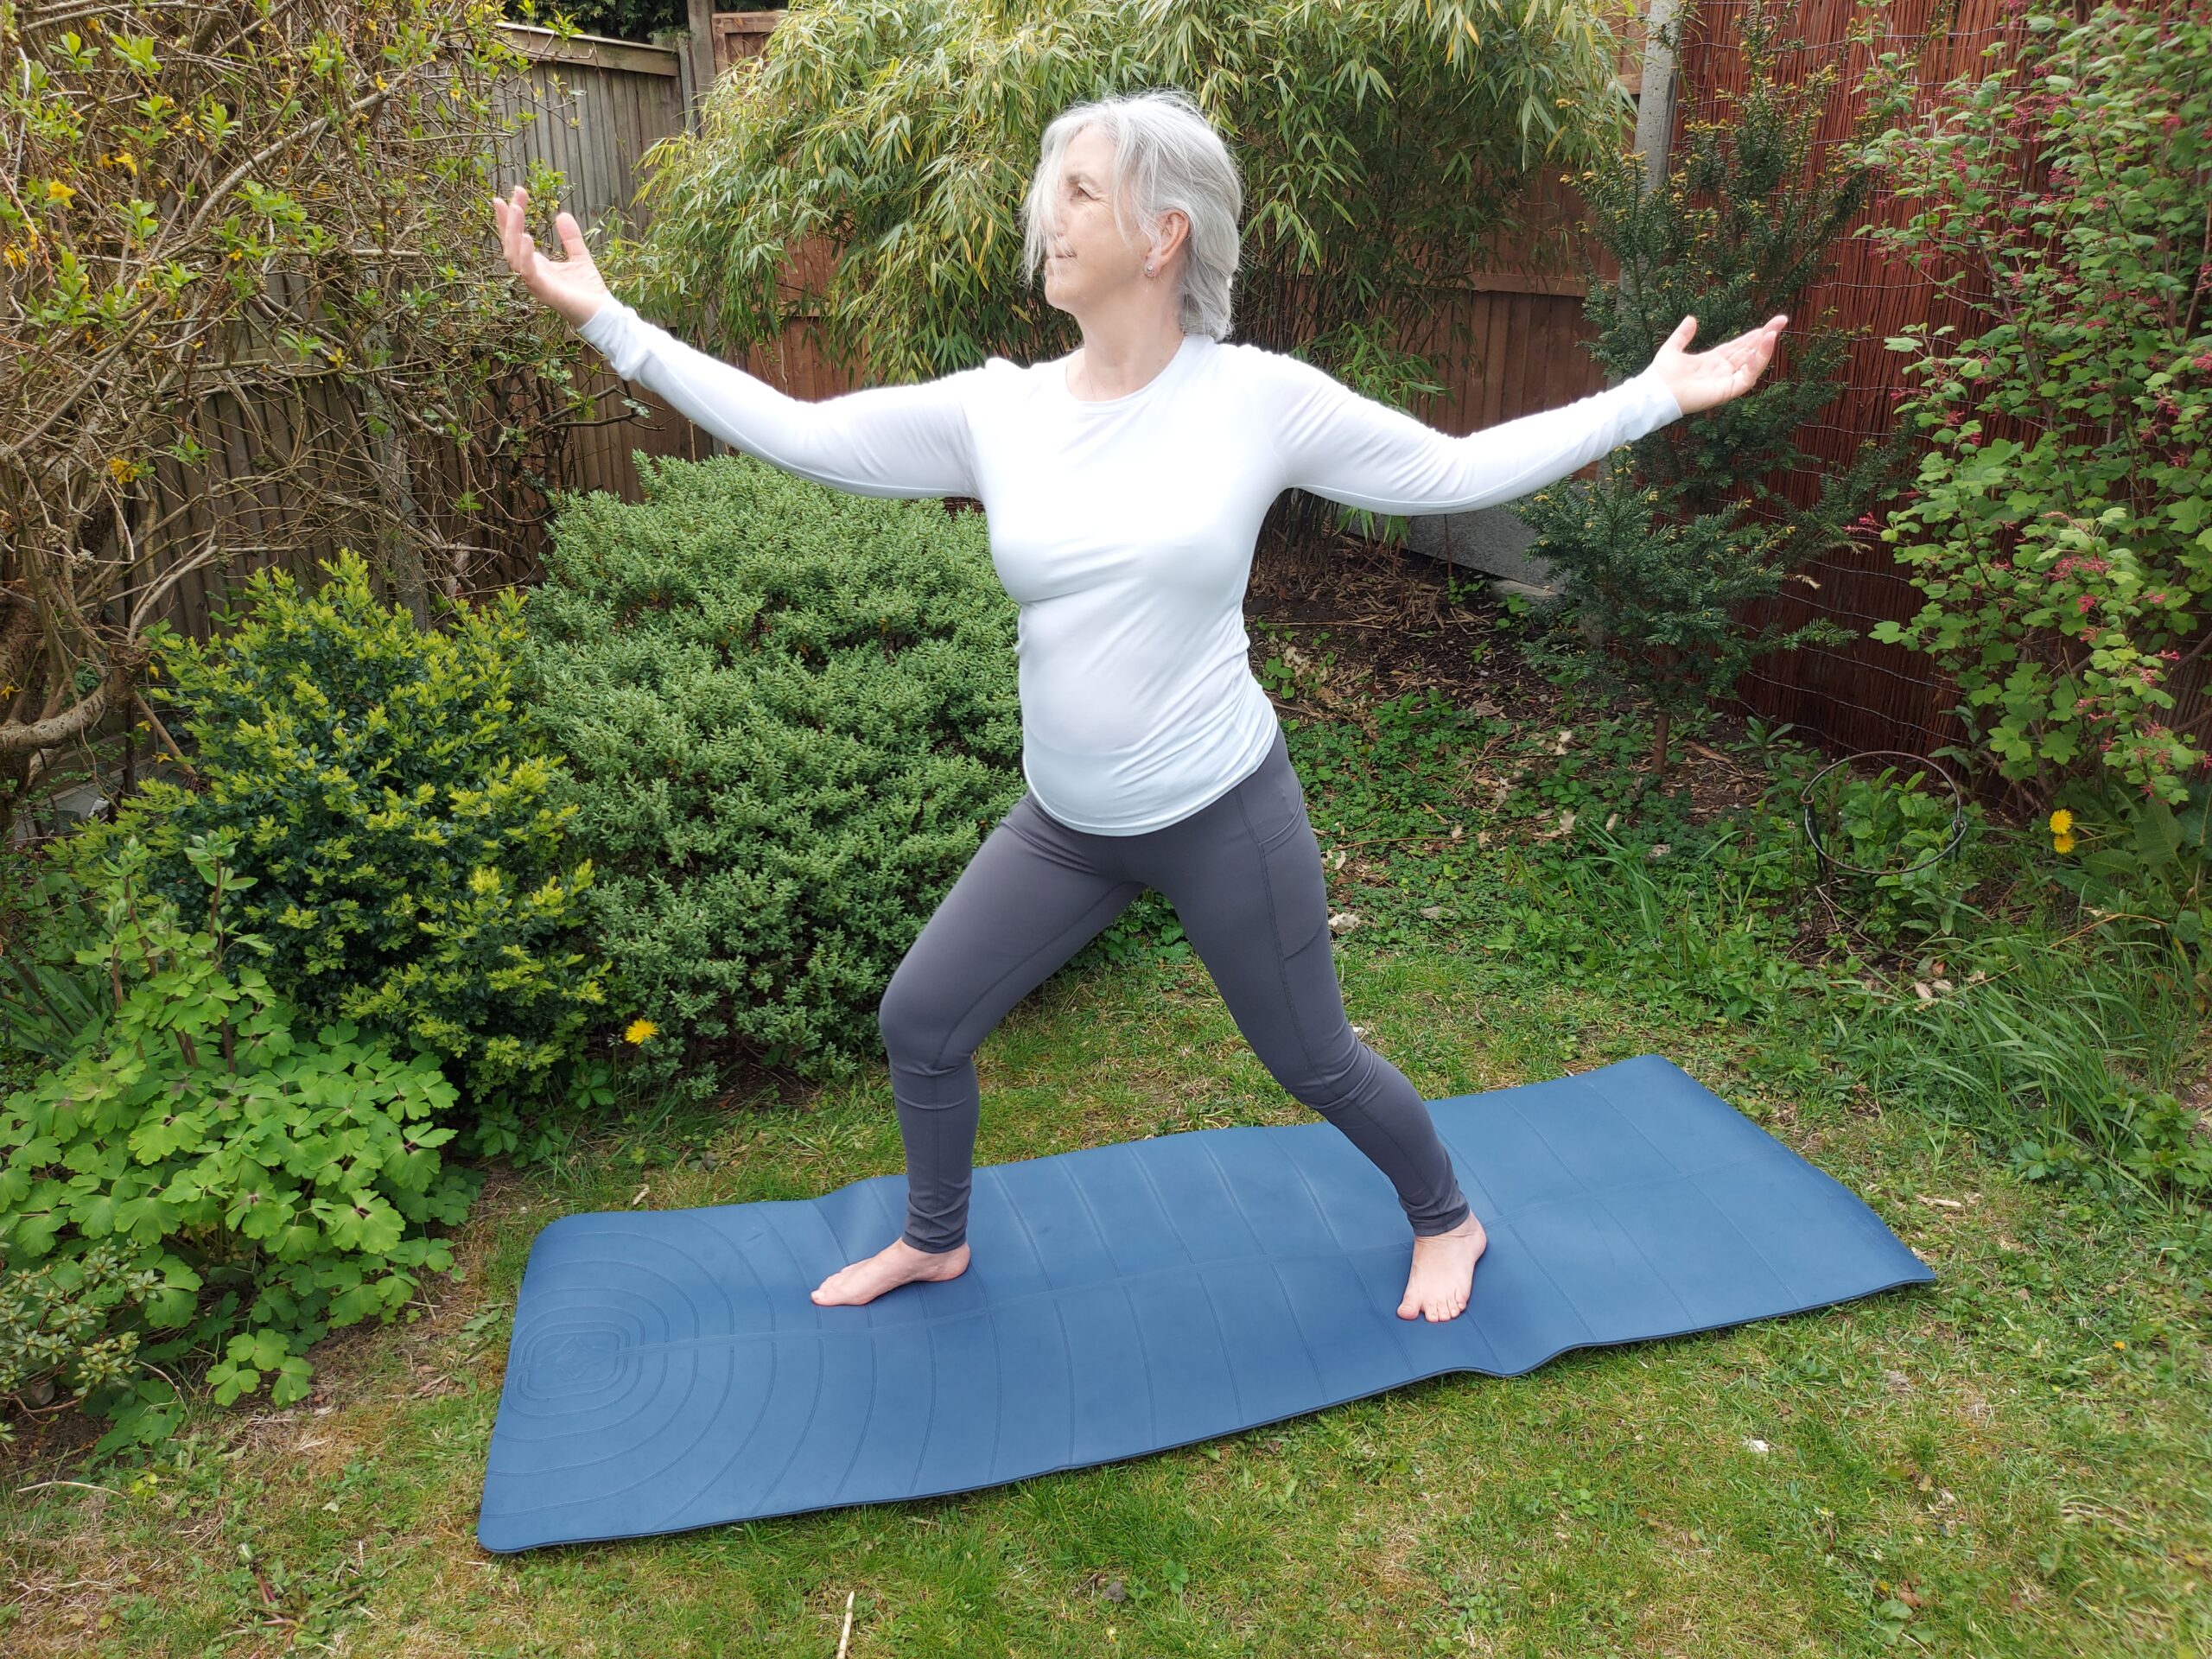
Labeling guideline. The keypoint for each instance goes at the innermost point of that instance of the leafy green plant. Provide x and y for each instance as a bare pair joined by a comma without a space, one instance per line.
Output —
1893,860
391,802
62,1331
1658,559
1148,930
2067,567
275,1184
621,20
2141,867
2160,1145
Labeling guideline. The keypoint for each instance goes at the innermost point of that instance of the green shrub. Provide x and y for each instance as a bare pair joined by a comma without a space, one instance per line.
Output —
277,1184
1895,871
62,1332
2063,553
791,717
393,805
46,997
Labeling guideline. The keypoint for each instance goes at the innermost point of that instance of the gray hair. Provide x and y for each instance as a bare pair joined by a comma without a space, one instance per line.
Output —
1167,157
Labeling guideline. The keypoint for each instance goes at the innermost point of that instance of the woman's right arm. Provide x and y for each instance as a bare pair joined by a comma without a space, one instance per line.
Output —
885,440
905,441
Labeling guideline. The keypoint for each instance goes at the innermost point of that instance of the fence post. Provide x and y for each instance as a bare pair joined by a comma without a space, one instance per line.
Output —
701,55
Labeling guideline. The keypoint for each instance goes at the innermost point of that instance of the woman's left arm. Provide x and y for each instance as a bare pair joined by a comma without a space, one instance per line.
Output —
1362,452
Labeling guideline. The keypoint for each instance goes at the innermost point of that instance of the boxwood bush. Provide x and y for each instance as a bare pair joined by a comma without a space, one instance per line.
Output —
392,804
790,717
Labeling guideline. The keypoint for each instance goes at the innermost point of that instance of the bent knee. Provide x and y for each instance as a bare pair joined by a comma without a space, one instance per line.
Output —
1336,1077
910,1019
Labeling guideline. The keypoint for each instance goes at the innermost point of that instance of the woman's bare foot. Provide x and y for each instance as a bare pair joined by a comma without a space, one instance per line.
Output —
1444,1268
899,1263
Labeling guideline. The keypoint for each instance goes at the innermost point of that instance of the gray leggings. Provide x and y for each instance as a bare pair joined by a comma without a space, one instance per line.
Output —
1244,876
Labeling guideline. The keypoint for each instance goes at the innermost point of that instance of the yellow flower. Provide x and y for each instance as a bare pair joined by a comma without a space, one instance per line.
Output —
2062,844
2061,821
640,1030
57,191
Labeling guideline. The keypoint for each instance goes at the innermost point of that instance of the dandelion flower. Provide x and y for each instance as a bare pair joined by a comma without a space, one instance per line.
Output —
2061,821
2063,844
640,1030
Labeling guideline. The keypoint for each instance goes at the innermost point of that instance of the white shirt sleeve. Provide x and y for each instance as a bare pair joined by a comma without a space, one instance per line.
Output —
909,441
1355,450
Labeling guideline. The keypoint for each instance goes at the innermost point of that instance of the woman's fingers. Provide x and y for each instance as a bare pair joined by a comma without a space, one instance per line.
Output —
572,237
521,248
514,241
511,232
571,285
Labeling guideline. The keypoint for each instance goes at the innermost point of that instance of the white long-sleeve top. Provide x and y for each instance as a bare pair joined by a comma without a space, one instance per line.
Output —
1123,528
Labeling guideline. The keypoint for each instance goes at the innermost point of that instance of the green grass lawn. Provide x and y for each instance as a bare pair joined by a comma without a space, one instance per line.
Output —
2014,1460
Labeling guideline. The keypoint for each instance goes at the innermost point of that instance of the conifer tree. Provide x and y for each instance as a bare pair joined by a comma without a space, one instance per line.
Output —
1655,558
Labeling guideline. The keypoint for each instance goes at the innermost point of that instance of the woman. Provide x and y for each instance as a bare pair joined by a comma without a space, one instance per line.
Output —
1124,487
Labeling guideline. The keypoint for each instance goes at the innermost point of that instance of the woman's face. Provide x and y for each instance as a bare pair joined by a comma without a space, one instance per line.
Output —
1087,260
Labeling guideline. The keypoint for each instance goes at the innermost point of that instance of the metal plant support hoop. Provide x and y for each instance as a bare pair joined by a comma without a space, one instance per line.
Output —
1829,862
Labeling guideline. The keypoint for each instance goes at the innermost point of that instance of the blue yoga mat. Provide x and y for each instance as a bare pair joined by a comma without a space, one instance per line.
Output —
669,1370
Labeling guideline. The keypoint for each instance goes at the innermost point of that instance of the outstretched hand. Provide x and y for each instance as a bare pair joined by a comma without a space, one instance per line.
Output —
570,286
1699,381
